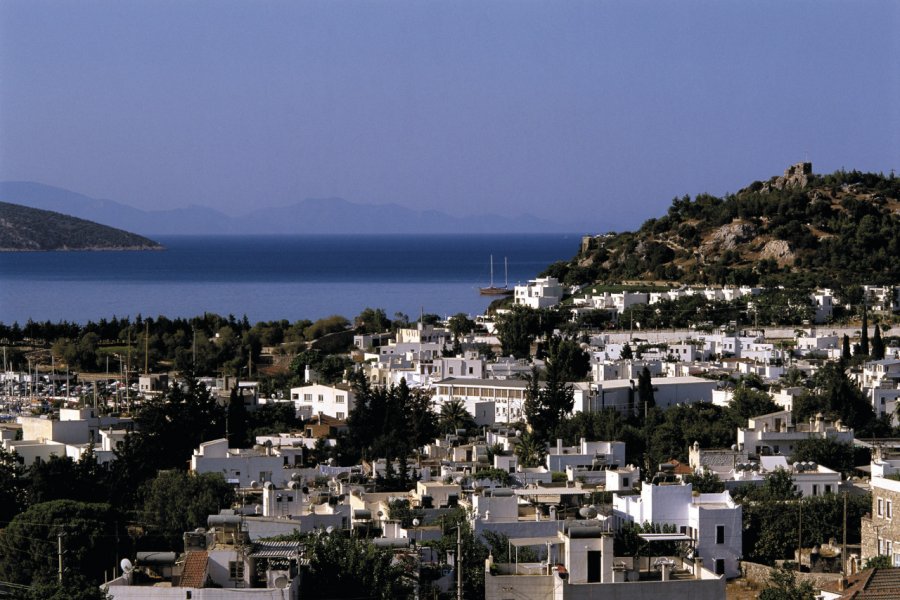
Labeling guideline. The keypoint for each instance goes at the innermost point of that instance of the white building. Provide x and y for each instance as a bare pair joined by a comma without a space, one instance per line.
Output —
244,467
586,568
713,521
318,399
776,433
490,401
823,301
584,454
542,292
880,381
219,564
668,391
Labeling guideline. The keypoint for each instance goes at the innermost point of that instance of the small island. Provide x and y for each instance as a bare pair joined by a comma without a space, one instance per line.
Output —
31,229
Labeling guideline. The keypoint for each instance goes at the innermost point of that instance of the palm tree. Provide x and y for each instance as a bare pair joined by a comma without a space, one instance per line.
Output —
529,450
455,416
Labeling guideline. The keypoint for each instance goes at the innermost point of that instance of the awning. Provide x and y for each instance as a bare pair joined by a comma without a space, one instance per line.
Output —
273,549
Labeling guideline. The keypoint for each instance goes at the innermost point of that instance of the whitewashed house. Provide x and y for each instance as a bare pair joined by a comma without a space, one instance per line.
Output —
712,521
318,399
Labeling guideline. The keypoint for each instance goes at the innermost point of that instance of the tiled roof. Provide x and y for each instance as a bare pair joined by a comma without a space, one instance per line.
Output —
874,584
194,573
883,584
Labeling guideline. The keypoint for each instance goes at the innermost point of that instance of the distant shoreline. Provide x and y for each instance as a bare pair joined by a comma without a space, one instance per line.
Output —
90,249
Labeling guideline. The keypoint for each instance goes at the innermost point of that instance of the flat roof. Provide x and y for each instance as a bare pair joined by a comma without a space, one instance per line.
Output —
685,379
534,541
543,491
665,537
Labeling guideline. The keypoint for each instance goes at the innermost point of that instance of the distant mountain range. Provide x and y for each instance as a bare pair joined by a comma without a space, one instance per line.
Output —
311,216
25,228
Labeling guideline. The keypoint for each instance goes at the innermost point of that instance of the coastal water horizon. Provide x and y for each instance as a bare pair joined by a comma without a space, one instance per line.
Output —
274,277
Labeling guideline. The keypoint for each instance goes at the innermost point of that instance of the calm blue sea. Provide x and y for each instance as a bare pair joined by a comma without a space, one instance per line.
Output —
273,277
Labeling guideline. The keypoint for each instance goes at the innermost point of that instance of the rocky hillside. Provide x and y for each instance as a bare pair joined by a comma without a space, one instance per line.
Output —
835,229
24,228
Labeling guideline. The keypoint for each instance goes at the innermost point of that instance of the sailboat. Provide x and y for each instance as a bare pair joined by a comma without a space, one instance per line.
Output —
493,290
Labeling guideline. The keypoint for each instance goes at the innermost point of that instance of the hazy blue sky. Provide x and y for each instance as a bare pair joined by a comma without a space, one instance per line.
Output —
592,112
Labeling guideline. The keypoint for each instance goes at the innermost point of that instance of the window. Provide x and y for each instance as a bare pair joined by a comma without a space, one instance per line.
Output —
827,488
307,397
339,415
815,490
887,509
339,398
471,370
236,570
720,534
450,370
321,398
880,507
625,482
295,396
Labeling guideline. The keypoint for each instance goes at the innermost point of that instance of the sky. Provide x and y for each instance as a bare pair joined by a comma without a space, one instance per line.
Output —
596,113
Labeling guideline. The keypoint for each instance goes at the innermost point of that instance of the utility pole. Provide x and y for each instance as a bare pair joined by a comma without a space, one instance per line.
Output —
59,554
800,534
146,347
459,593
844,541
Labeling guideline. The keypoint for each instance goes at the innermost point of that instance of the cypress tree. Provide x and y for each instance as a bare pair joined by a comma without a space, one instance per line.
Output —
877,344
864,336
845,349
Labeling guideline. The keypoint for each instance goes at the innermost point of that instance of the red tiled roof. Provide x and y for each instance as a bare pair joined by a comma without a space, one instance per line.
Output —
194,572
874,584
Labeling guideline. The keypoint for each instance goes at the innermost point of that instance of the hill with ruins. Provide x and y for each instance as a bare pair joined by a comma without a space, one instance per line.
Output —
796,229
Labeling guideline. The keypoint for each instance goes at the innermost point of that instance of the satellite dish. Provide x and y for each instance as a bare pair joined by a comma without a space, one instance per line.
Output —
329,529
254,484
588,512
126,565
415,522
281,582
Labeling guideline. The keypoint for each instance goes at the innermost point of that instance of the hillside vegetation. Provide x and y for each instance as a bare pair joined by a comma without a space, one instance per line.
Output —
802,228
24,228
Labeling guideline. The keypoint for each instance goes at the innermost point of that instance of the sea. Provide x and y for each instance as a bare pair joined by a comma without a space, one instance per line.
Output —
268,278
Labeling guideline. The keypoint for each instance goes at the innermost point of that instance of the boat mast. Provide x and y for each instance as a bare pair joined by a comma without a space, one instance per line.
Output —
492,270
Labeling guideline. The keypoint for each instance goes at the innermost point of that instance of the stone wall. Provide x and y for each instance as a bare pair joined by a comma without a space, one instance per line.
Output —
758,575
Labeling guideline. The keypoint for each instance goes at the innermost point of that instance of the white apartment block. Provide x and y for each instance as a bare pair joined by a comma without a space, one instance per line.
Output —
244,467
490,401
776,433
542,292
318,399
